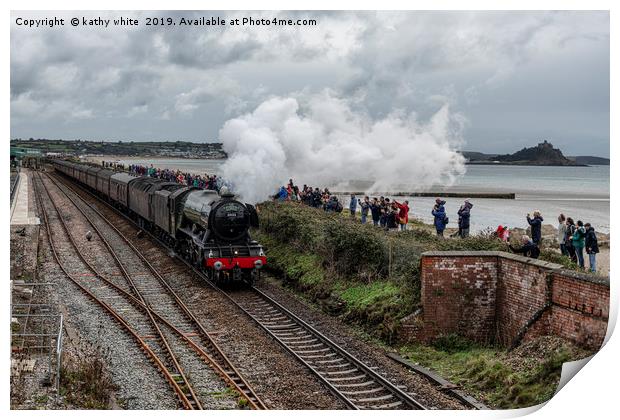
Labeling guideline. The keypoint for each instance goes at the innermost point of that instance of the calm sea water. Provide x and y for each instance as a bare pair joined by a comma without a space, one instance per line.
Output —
578,192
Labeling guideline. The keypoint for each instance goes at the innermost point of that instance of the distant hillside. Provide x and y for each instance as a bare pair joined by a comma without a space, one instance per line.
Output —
182,149
477,156
589,160
543,154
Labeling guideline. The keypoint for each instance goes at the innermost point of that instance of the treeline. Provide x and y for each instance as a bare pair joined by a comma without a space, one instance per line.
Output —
160,148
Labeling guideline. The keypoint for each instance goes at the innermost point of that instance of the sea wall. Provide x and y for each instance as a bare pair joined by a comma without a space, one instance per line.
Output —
501,298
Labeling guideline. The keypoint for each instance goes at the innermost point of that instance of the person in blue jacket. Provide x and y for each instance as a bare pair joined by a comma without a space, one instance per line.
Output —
439,212
353,205
464,216
536,226
283,194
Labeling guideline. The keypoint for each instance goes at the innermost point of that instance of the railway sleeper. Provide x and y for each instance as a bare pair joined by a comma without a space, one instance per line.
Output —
293,332
342,372
340,366
302,344
386,406
322,356
311,351
279,327
356,385
374,399
362,392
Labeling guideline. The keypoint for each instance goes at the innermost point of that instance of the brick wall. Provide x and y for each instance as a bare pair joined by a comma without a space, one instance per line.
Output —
580,308
459,295
495,297
521,295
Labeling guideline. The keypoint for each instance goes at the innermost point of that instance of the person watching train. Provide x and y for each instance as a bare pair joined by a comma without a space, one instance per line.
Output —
440,218
529,248
365,206
535,226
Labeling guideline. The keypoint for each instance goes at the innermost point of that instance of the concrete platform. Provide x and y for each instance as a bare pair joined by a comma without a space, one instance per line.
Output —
21,214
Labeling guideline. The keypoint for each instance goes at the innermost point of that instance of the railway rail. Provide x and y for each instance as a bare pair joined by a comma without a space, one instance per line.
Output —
148,291
347,377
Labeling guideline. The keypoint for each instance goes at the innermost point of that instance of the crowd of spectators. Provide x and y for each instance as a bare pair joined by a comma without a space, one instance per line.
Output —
207,182
573,239
391,214
384,212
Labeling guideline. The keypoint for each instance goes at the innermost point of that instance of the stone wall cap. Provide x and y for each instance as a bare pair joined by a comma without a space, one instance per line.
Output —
556,268
498,254
589,277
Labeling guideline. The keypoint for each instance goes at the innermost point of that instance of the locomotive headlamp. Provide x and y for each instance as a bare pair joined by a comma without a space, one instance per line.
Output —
236,252
210,254
258,263
261,253
218,265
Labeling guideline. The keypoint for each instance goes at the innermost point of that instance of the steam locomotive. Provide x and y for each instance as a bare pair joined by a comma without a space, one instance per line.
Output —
208,229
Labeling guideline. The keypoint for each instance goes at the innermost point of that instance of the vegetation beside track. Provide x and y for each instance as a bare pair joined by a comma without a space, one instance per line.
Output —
526,376
84,381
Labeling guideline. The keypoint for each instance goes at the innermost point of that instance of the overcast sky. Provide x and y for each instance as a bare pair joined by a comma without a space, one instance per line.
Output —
514,78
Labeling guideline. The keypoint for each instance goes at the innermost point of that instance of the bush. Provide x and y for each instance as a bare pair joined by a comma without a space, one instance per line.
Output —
552,256
354,250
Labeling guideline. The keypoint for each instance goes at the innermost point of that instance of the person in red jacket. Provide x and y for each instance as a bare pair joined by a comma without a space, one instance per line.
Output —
403,214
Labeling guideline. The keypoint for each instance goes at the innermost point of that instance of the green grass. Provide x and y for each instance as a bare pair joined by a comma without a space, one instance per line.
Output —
362,296
492,375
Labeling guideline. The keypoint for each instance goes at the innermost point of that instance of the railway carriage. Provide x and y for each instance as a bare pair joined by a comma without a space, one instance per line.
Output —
83,173
91,177
119,187
103,182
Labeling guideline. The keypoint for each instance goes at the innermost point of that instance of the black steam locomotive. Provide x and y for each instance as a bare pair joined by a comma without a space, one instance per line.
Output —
208,229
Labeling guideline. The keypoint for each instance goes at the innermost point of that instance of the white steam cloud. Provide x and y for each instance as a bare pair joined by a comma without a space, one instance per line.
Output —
321,141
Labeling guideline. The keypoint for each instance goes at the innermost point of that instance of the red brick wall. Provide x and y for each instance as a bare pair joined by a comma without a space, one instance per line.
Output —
521,293
459,296
494,297
580,309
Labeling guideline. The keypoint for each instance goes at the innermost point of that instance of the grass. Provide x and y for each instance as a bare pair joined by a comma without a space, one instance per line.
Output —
500,378
360,296
84,381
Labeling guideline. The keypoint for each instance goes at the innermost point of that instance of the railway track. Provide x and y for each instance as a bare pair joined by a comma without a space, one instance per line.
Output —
174,327
135,322
347,377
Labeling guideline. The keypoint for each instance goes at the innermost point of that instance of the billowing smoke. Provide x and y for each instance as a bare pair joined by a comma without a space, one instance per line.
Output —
322,142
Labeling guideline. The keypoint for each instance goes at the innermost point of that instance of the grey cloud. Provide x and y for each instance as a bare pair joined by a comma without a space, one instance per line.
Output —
515,76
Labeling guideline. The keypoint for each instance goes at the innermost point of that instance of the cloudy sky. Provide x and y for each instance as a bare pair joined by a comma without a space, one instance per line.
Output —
512,78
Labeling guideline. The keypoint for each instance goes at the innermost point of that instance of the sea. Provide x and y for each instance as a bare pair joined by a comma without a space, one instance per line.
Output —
580,192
